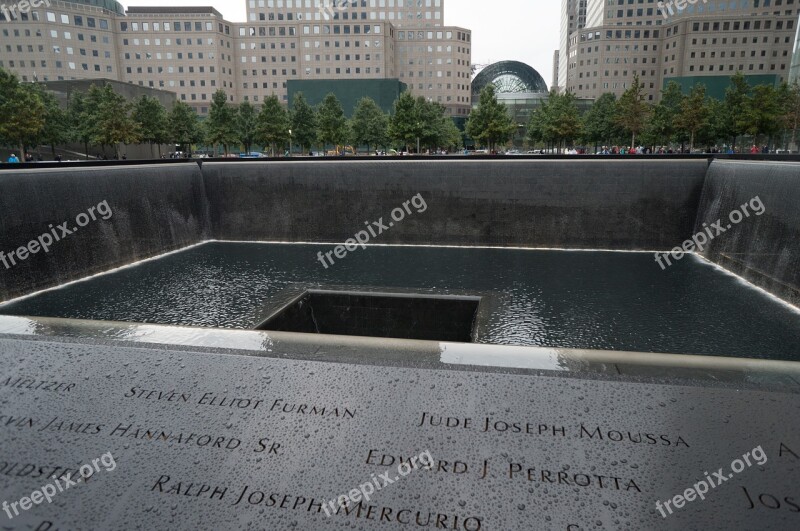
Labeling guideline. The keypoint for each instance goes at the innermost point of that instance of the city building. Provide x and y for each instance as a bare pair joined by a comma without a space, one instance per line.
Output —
794,71
554,83
521,89
194,51
384,92
573,18
706,40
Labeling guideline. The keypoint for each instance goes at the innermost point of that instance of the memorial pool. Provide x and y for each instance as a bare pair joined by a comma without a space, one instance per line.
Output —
598,300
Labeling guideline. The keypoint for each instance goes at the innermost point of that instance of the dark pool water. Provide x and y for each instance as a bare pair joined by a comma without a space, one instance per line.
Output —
595,300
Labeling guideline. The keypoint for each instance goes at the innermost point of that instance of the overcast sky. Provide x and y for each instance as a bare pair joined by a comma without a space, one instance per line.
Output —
535,22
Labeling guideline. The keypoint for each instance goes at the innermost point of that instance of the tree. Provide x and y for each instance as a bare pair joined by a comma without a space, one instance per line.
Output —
490,122
272,125
694,113
791,104
404,124
221,123
184,126
762,112
557,120
152,120
56,122
567,124
713,132
369,124
662,128
22,111
435,131
246,125
79,120
599,123
331,122
114,124
450,136
430,119
304,122
94,98
632,110
733,123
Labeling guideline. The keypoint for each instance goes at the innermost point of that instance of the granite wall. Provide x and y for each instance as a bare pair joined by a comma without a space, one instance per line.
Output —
637,204
614,204
153,209
763,248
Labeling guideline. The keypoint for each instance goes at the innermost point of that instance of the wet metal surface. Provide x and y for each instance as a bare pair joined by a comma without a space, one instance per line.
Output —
207,441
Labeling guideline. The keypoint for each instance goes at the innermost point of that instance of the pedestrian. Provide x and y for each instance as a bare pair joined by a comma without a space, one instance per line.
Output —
13,159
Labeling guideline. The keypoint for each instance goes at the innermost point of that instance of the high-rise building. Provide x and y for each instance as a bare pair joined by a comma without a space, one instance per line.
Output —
794,71
573,17
706,41
554,84
194,51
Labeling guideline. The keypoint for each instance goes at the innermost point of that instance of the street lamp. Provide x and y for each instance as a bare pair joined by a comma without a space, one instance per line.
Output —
290,142
419,126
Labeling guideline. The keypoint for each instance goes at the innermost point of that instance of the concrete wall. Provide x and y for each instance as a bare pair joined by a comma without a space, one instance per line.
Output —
155,209
763,249
620,204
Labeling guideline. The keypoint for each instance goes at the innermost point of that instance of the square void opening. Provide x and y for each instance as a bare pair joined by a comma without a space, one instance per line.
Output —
403,316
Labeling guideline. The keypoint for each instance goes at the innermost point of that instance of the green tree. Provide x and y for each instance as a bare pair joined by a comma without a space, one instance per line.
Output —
435,131
599,123
272,125
246,125
304,122
662,127
79,121
567,123
538,124
450,136
490,122
694,114
369,125
22,111
733,122
557,121
791,115
632,110
331,122
221,123
184,126
762,114
152,120
56,122
713,132
404,125
113,122
94,98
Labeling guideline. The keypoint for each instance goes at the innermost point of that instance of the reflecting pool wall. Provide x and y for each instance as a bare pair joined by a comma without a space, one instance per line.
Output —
763,249
614,204
155,209
636,204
